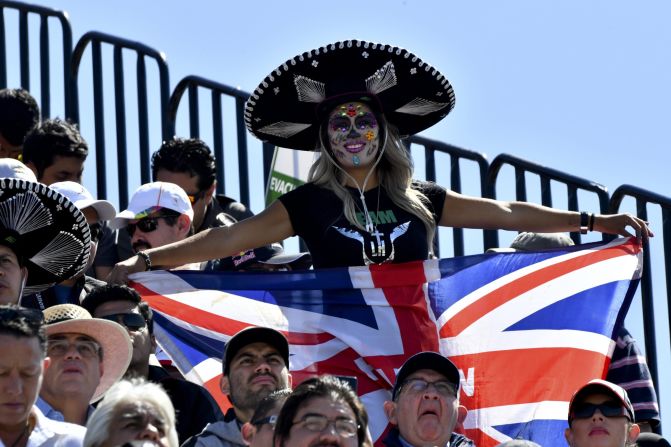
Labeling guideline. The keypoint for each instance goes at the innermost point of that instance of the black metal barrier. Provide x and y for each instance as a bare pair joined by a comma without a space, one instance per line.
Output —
96,40
456,154
546,175
643,199
24,10
192,84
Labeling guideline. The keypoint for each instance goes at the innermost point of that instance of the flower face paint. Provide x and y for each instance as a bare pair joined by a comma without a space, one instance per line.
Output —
353,134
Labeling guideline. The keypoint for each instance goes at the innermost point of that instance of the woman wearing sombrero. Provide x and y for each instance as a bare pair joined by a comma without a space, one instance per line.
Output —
353,101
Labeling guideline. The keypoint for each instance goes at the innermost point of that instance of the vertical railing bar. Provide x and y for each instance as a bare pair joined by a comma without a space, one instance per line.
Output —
99,120
3,50
218,143
120,121
194,113
24,50
45,81
242,152
143,120
546,191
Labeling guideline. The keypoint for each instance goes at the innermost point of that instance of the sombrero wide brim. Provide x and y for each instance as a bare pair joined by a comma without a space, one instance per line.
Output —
286,108
48,231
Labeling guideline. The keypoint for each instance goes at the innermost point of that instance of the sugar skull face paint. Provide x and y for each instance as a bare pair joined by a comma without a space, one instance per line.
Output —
353,134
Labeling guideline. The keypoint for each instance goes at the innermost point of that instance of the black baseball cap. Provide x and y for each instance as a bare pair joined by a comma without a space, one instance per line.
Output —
255,334
427,360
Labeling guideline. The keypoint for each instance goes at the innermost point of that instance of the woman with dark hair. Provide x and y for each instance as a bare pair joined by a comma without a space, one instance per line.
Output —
322,410
353,102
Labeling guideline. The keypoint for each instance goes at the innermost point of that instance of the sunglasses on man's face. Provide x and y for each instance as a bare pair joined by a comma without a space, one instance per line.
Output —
608,409
146,225
131,321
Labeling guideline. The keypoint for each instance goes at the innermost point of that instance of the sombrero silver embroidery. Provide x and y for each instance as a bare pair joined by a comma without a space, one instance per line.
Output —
48,231
286,108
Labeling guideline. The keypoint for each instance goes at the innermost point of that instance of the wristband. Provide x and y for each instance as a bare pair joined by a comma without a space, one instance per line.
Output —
584,222
591,221
145,257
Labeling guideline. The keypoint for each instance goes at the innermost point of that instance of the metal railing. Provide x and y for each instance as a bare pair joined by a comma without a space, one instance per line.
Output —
644,199
24,10
546,176
192,85
96,40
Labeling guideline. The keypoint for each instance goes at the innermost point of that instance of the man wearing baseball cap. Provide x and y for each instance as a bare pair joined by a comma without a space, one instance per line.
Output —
159,213
601,415
425,404
255,363
88,355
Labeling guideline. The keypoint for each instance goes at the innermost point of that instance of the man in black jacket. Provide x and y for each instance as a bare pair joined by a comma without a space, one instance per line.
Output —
425,404
194,406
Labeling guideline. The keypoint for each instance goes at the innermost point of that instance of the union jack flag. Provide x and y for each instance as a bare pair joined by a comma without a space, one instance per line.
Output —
525,329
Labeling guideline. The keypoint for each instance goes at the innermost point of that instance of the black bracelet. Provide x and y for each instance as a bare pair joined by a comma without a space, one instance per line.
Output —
591,221
584,222
145,257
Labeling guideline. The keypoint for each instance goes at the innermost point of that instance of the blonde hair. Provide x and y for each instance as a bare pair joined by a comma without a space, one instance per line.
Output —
395,170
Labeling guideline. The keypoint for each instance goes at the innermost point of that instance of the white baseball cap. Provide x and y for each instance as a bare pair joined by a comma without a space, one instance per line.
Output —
12,168
151,197
82,198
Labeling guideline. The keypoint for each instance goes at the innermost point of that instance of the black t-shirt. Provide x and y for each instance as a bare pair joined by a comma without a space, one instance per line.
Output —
317,216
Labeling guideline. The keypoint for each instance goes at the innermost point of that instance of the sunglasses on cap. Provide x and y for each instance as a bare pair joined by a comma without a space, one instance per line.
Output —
608,409
131,321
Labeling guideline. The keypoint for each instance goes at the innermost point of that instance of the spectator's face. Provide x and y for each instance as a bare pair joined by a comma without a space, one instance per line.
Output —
353,134
598,430
139,421
257,370
424,417
156,232
8,150
143,342
340,428
76,367
21,368
200,199
63,169
11,276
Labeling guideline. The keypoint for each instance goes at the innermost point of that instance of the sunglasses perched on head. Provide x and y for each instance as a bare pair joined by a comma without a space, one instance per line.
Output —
132,321
608,409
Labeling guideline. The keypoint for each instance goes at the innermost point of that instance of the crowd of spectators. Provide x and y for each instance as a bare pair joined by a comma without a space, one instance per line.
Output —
78,356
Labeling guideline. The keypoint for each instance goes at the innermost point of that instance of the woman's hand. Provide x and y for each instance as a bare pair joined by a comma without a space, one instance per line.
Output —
120,272
618,223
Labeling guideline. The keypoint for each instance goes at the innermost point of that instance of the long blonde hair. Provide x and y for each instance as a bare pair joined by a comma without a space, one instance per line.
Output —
395,170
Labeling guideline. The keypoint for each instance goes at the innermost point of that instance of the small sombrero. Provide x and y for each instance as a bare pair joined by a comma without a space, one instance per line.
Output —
288,105
45,229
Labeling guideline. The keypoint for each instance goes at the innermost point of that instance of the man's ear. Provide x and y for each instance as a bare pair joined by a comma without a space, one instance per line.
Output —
634,431
154,345
183,224
248,431
289,380
45,364
390,410
225,385
210,193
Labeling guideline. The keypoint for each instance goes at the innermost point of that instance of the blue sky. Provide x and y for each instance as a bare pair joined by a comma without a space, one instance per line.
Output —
581,86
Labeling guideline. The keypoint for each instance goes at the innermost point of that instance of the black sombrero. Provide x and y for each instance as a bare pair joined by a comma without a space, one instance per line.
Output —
45,229
286,108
